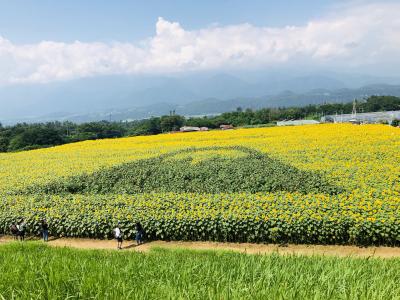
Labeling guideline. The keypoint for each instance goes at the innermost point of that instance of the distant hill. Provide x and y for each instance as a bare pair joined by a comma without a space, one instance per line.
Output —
213,106
134,97
285,99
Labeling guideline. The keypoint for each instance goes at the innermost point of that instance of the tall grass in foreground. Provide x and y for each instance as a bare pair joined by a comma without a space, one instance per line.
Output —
35,271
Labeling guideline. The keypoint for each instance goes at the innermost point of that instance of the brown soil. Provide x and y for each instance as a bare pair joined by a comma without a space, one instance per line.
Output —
341,251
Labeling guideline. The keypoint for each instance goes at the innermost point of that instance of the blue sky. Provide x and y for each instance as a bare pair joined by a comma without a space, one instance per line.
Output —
29,21
44,41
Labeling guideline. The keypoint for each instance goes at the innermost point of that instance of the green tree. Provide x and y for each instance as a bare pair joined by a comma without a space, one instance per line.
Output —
35,137
396,122
4,142
171,123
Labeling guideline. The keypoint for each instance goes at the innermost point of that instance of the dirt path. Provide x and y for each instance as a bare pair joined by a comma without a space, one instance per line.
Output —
342,251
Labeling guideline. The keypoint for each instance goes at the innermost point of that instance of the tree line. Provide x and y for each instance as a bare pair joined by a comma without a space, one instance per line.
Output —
39,135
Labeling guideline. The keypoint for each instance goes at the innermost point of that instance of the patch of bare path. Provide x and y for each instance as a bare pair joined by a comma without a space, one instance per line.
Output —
341,251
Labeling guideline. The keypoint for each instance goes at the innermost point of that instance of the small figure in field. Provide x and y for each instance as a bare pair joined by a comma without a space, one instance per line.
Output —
14,231
139,233
118,236
45,230
21,229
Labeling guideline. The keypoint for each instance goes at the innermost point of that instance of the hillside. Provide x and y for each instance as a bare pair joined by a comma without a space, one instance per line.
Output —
133,97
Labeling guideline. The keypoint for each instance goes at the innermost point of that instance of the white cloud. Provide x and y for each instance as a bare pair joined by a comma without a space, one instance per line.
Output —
355,36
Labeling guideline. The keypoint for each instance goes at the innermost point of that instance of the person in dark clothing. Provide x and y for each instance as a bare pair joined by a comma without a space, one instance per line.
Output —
14,230
45,230
139,233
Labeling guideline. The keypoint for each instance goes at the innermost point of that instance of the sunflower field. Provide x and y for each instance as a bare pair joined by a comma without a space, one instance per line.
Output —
325,184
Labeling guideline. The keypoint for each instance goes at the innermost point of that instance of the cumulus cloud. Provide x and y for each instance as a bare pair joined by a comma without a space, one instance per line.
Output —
353,36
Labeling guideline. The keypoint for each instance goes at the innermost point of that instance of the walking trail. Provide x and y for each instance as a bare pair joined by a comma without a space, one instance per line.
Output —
341,251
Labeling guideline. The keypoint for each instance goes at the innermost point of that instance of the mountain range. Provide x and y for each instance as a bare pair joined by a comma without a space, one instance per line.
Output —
134,97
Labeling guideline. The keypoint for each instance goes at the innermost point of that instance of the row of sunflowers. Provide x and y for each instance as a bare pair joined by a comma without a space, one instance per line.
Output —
357,218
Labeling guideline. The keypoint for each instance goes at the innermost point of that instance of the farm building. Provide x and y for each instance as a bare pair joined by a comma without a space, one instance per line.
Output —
189,128
192,128
226,127
296,122
364,118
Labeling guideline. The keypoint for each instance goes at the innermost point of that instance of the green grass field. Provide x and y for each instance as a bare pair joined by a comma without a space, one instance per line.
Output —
35,271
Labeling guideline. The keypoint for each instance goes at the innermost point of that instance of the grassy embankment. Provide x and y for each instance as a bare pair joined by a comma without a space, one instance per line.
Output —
34,271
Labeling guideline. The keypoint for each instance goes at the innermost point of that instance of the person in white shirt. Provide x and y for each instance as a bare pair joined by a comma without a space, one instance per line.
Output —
118,236
21,229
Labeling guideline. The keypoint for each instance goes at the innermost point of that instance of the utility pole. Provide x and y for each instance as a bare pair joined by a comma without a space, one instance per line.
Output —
354,112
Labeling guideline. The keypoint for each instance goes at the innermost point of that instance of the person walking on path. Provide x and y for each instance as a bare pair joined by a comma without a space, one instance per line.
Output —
45,230
21,229
118,236
14,231
139,233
